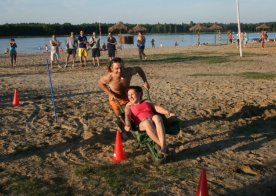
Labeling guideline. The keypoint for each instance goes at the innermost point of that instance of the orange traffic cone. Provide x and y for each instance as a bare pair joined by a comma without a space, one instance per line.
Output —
118,155
202,189
15,101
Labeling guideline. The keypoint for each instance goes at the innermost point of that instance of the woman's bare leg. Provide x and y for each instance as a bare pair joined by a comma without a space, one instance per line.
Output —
158,121
148,126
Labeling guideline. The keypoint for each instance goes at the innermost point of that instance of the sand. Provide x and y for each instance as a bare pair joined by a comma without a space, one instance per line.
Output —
226,104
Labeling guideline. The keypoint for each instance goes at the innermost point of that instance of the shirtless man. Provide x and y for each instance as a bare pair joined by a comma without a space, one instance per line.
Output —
117,80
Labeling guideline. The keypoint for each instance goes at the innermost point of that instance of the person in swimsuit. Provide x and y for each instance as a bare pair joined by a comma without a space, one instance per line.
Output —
143,113
13,52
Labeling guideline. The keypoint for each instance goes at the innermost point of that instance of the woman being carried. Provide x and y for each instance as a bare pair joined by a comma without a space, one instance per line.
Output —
143,113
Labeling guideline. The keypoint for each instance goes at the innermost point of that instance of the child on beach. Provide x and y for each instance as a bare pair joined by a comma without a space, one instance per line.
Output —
13,53
144,114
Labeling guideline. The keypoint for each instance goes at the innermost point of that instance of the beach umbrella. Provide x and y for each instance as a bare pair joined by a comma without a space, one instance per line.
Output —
262,27
118,27
198,28
138,28
215,27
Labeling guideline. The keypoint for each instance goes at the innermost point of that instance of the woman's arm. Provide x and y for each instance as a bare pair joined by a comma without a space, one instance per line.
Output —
127,118
162,110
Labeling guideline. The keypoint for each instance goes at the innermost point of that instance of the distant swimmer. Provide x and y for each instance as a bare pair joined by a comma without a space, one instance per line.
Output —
46,48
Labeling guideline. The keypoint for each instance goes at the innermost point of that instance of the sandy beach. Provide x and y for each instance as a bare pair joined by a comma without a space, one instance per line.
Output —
226,104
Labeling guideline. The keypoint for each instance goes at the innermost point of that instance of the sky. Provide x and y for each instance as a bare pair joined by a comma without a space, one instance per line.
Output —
136,11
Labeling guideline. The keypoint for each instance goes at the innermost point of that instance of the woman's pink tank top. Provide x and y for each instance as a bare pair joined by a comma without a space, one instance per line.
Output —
141,111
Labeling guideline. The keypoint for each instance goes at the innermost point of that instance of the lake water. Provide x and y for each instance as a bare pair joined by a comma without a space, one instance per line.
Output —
32,44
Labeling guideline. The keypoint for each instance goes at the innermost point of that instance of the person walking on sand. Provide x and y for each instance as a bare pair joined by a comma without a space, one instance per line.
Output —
13,52
117,80
111,46
82,41
141,40
71,45
54,44
95,48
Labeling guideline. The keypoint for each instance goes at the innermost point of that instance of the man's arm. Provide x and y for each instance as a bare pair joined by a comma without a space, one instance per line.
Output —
103,81
142,74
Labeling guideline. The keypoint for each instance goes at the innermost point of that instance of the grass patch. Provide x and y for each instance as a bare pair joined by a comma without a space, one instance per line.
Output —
31,187
180,57
216,59
152,183
209,74
248,75
116,176
258,75
180,172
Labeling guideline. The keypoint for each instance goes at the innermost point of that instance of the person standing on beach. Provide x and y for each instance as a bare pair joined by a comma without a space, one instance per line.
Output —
71,44
54,44
111,46
245,38
13,52
141,40
95,45
82,41
263,38
46,48
117,80
230,38
152,43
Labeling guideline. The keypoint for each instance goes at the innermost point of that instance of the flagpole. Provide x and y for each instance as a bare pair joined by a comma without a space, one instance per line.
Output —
100,31
239,26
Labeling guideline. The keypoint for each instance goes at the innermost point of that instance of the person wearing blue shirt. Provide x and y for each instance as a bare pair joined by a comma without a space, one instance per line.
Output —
82,41
13,52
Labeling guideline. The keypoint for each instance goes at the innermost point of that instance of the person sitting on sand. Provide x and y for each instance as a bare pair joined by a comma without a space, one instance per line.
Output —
117,80
143,113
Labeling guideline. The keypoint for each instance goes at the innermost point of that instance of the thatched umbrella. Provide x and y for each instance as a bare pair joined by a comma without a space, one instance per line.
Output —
262,27
198,28
215,27
138,28
118,27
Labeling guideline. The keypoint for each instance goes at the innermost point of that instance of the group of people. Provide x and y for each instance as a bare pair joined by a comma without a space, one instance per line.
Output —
80,45
242,37
116,84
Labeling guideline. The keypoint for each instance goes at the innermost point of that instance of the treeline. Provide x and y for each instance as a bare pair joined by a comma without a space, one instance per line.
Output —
41,29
